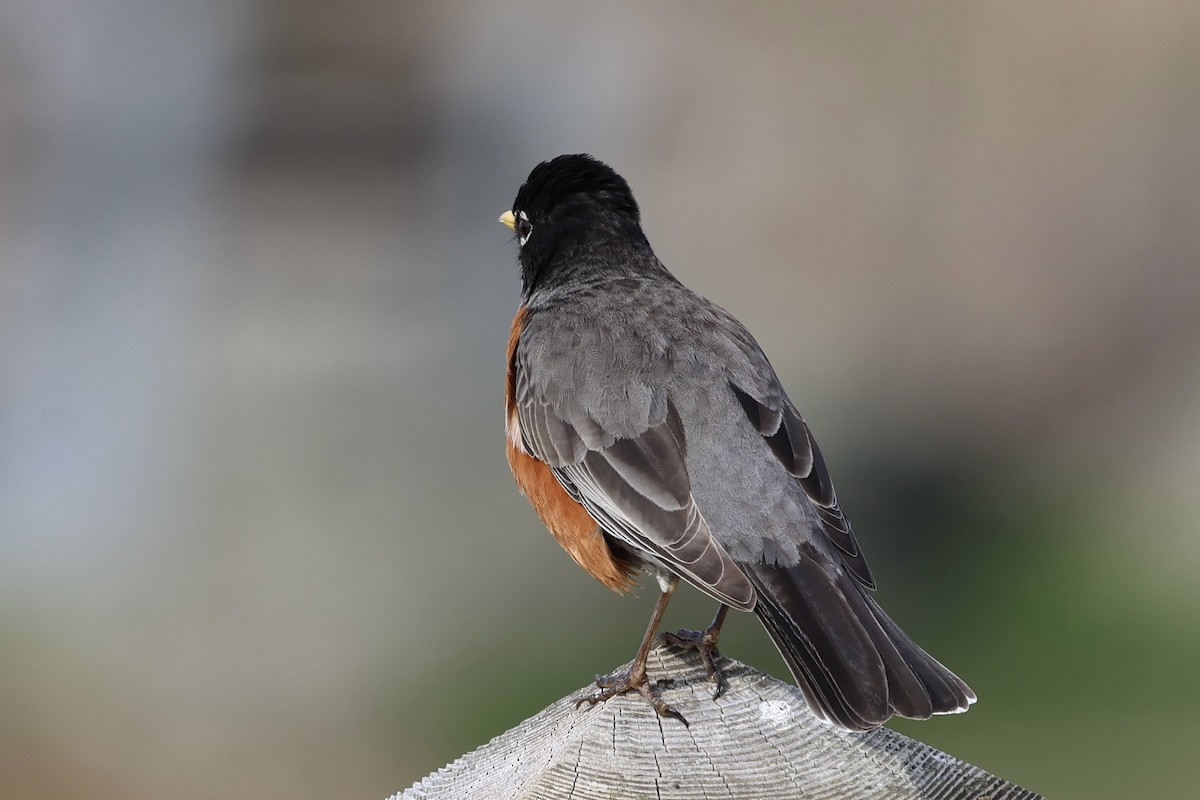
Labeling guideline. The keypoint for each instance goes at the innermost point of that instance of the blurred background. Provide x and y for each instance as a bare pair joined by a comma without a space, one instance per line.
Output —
257,535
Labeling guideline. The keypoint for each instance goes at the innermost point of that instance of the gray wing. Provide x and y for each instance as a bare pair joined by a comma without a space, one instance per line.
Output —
792,443
772,414
635,485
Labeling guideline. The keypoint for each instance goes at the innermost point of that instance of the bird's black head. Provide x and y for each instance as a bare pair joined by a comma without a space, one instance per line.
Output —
572,211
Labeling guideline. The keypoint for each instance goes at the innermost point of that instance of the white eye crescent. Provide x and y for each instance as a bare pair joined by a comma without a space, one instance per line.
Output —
524,227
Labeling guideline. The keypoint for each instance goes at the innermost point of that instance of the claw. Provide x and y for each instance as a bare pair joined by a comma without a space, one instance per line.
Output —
705,643
707,648
631,680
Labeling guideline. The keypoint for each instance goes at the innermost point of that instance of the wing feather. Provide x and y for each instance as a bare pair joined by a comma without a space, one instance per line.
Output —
636,487
792,443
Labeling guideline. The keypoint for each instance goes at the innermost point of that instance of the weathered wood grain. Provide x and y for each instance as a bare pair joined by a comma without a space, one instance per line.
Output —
759,741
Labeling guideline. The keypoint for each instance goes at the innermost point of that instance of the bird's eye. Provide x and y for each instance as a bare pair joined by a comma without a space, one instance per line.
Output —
524,227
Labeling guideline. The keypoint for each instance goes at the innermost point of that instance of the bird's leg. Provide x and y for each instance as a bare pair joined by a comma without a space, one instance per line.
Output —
704,642
634,678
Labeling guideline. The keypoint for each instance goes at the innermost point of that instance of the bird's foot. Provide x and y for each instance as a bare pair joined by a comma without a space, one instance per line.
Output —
705,643
624,682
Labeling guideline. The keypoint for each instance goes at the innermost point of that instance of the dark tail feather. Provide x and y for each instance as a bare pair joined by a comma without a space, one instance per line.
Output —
853,663
948,694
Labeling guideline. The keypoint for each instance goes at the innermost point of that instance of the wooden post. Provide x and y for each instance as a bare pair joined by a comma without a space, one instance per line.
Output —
758,741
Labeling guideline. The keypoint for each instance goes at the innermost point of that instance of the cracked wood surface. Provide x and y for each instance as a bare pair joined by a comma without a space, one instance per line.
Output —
759,741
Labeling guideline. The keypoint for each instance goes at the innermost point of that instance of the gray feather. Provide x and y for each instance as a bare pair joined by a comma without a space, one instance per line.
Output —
632,479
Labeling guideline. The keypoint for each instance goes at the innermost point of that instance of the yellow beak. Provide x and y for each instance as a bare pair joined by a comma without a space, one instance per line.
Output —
508,220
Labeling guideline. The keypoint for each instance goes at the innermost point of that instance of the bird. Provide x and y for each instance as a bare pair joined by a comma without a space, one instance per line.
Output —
653,437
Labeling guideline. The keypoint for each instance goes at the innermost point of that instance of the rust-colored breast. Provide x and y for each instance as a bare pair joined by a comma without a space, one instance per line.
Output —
570,523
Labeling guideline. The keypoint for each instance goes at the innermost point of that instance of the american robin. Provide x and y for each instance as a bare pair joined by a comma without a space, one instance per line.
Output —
650,432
